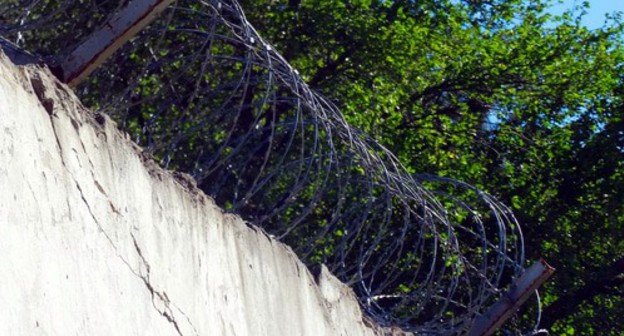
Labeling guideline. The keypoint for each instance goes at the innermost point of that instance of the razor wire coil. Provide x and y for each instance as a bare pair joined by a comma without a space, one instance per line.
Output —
204,93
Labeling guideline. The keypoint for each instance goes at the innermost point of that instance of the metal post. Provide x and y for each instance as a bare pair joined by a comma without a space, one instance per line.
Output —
111,36
18,55
519,292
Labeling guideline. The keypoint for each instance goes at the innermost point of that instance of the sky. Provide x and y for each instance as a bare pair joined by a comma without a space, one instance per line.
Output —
595,14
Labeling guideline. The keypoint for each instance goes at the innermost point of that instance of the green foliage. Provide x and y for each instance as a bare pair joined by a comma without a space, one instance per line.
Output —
498,94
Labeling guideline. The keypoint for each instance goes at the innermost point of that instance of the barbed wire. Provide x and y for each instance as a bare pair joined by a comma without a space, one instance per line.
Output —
203,93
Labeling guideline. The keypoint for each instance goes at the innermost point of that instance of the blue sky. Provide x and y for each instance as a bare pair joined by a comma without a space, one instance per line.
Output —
595,14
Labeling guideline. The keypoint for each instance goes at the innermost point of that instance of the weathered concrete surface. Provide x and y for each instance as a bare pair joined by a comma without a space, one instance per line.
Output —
95,239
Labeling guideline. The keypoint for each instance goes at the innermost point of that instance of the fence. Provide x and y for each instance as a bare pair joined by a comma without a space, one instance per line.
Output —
203,93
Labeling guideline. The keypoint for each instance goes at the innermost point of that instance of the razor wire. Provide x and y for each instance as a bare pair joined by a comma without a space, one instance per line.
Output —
202,92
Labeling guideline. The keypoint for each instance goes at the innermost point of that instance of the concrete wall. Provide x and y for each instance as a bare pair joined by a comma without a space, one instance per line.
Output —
95,239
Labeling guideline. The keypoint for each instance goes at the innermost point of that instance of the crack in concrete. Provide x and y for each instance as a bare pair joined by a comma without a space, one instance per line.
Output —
48,105
166,312
40,90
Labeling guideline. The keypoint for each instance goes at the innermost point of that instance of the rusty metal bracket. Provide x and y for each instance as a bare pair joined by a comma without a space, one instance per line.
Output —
100,45
519,292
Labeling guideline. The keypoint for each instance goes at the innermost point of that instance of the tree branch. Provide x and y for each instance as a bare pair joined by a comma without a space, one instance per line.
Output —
567,304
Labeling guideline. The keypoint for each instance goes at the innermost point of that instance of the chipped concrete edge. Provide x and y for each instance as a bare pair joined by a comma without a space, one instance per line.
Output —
38,80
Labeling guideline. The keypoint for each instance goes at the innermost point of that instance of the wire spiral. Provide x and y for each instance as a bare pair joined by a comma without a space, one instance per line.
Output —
202,92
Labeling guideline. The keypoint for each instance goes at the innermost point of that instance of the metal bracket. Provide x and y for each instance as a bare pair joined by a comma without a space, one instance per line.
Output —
100,45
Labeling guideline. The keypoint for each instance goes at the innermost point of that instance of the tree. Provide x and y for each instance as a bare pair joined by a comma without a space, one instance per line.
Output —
498,94
495,93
